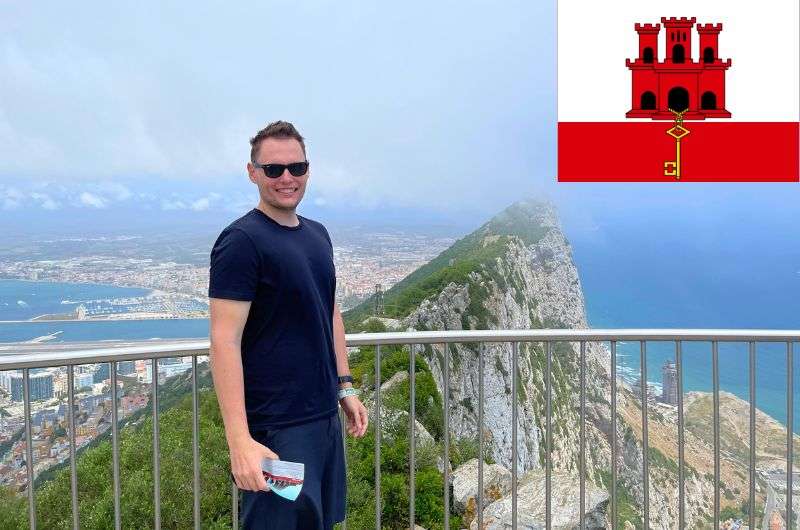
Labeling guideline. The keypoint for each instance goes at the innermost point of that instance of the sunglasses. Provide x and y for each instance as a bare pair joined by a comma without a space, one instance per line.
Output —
273,171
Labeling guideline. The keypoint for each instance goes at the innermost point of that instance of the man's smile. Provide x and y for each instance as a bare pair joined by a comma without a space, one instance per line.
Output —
288,192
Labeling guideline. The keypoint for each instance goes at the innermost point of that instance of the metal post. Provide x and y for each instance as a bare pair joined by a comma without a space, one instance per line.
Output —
115,445
377,437
613,434
582,452
514,419
412,369
195,447
156,451
235,504
645,445
446,377
479,507
751,516
548,470
681,473
26,405
789,434
73,471
715,377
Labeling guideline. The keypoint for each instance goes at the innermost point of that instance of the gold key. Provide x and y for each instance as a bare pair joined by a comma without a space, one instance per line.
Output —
672,168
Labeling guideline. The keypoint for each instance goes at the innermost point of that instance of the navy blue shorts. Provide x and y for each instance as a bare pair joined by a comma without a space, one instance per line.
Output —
321,504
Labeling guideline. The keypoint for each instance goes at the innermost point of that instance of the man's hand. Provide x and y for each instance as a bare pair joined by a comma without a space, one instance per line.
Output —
356,414
246,458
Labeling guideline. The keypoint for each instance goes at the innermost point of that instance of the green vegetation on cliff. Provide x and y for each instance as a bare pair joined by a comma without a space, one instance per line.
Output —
472,253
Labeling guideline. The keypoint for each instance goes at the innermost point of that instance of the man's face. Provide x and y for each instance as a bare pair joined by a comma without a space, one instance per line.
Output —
286,191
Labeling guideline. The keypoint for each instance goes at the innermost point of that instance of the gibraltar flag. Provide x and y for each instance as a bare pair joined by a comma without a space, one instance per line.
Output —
679,90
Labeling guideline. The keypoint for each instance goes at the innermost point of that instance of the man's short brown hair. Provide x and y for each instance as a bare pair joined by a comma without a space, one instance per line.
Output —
276,129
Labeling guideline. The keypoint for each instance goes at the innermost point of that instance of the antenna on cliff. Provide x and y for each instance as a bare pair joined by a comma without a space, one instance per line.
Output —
378,300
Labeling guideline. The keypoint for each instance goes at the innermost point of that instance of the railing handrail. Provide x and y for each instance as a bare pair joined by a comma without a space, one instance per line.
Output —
32,355
15,356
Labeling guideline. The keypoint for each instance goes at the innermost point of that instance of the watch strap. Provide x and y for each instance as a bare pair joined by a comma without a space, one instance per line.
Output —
344,392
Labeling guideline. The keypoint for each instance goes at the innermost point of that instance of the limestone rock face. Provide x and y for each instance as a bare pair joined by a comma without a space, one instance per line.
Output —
517,272
496,484
531,505
530,285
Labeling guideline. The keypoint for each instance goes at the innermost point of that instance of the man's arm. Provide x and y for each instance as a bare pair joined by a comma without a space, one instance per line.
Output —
228,318
352,406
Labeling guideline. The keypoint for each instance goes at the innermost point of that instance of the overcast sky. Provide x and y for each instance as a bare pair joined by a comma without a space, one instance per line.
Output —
428,111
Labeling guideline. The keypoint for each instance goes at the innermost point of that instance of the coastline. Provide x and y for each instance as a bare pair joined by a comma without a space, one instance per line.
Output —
145,293
100,284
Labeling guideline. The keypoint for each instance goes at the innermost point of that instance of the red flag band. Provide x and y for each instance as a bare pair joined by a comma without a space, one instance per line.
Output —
711,152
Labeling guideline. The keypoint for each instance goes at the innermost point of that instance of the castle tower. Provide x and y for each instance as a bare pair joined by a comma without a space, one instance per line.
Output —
679,39
648,42
709,42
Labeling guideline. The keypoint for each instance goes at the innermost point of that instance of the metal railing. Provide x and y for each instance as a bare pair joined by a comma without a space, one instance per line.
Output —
28,356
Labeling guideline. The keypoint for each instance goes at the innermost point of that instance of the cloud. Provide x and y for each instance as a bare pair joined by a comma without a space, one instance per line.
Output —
118,191
90,199
13,198
45,201
200,204
167,204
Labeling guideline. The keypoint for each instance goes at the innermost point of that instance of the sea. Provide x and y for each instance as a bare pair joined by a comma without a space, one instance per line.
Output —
21,300
632,276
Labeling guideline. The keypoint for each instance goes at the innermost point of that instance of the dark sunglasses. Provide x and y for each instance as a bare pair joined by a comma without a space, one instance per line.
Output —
273,171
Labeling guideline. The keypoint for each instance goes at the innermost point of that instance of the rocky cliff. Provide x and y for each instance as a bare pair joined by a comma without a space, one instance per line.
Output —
516,272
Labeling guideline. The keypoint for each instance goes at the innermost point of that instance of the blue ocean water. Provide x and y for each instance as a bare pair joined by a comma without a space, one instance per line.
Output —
22,300
697,271
46,297
75,331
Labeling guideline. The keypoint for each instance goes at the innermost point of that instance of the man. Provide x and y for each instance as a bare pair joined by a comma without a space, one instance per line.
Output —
278,355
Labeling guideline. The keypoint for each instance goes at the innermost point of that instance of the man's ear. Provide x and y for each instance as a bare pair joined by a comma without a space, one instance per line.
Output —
251,172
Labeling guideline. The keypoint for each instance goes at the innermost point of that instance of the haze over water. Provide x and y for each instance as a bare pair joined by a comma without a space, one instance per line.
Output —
684,268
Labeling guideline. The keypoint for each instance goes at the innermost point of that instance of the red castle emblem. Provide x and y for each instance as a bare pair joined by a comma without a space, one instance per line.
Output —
678,84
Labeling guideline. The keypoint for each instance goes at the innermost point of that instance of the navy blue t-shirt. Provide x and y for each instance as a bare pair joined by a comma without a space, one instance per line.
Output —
288,356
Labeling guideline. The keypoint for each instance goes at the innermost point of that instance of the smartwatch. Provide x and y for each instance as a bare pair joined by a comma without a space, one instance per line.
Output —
345,379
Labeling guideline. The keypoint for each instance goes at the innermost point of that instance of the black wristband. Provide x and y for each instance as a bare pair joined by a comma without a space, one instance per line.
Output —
345,379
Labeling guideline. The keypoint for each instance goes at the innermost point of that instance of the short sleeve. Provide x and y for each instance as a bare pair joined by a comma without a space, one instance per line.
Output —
235,267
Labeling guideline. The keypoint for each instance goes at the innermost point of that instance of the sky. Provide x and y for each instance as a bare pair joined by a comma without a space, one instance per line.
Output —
415,113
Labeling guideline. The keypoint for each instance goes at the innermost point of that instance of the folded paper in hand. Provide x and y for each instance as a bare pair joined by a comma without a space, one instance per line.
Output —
284,478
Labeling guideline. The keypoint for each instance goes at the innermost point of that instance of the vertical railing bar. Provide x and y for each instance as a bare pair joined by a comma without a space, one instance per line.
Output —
715,377
156,451
514,434
681,472
582,452
446,377
115,446
235,504
789,433
342,426
377,436
412,369
549,436
613,433
195,447
73,471
26,405
752,497
645,443
479,507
